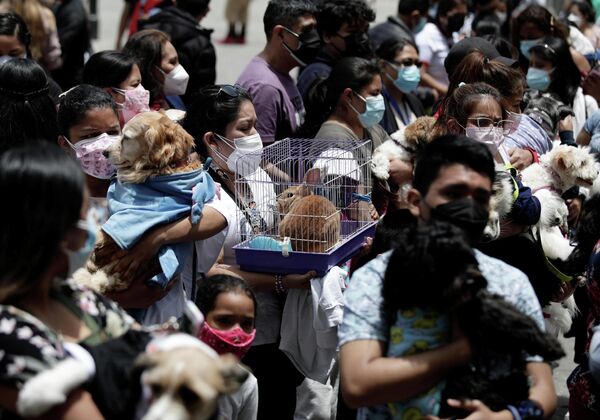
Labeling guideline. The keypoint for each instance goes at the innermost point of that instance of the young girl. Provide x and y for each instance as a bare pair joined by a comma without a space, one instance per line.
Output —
229,308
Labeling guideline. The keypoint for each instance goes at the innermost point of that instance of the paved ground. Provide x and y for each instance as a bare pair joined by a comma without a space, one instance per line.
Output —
232,59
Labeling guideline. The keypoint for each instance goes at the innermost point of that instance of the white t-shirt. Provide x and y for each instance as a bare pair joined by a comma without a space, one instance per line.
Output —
268,316
207,252
433,49
241,405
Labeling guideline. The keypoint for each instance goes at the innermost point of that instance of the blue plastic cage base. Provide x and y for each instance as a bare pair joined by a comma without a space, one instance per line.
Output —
266,261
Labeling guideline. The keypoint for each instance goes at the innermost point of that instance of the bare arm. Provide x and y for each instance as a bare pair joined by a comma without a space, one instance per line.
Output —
264,282
429,81
583,138
123,22
79,405
369,378
542,389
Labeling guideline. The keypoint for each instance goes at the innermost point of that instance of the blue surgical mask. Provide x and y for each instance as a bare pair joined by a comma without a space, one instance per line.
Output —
419,26
374,110
408,78
538,79
78,259
527,44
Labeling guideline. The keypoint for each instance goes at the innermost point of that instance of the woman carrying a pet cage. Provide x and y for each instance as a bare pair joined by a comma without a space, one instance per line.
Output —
39,309
223,122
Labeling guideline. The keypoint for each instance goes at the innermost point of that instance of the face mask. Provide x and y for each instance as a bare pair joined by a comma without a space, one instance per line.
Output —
575,19
527,45
308,47
77,259
136,101
358,44
235,341
419,26
176,81
465,213
374,110
408,78
250,148
492,138
90,157
455,22
538,79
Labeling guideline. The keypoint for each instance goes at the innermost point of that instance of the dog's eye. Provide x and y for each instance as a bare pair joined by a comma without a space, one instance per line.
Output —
187,395
156,389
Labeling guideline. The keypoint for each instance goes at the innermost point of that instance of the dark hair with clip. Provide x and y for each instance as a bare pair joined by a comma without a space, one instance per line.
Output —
25,104
542,19
212,110
75,103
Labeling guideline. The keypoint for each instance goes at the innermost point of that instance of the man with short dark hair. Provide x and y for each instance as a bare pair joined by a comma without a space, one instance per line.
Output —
192,41
411,18
452,182
292,41
342,26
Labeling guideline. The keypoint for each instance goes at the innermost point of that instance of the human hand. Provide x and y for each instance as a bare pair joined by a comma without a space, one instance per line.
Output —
139,294
566,124
373,212
520,158
129,264
479,411
298,281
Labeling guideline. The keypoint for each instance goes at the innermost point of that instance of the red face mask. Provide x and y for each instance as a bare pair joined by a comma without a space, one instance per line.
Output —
235,341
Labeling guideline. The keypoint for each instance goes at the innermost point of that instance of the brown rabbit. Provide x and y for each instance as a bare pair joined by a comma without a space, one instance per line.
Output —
312,223
290,195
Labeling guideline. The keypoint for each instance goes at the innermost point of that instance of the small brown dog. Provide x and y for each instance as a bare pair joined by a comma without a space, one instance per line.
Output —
152,145
312,224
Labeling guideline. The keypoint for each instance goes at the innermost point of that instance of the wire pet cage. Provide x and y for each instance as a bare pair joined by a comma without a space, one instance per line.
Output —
307,204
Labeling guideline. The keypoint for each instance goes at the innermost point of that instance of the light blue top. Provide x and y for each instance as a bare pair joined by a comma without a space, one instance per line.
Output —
592,127
365,320
136,208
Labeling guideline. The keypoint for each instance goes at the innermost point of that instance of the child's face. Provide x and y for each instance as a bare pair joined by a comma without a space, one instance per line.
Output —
233,308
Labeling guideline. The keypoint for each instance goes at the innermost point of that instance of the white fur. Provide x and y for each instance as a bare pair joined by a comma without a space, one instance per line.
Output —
51,387
380,162
500,204
560,316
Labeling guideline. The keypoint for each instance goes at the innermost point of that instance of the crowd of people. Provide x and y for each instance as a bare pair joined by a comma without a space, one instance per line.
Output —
479,123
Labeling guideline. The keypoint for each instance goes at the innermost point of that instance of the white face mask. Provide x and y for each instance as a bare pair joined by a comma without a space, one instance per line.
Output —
249,147
492,138
176,81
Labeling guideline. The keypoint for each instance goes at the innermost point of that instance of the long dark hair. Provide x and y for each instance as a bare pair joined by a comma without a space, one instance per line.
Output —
27,109
212,110
543,19
323,97
146,48
44,186
565,77
108,69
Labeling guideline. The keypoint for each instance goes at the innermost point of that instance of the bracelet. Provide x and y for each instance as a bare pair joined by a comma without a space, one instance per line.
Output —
530,410
513,410
279,287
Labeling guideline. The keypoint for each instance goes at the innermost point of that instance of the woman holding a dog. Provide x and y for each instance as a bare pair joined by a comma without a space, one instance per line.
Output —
39,310
223,122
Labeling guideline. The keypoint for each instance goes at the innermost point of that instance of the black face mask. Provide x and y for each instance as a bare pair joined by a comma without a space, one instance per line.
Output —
455,22
309,47
467,214
358,44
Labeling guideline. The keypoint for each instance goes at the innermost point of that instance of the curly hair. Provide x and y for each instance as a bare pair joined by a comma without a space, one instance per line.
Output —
424,267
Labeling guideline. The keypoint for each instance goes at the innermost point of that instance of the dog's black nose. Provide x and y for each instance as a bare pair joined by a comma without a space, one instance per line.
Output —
105,154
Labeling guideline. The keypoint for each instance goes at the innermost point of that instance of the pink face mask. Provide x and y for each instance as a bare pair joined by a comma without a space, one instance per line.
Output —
235,341
136,101
90,157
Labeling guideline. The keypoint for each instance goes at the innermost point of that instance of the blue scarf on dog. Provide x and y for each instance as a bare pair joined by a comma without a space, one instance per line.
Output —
136,208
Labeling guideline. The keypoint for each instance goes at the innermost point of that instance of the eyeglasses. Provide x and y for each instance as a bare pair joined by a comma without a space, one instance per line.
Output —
484,122
405,63
233,91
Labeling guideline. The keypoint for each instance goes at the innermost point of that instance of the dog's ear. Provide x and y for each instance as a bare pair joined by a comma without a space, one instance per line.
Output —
233,374
562,160
147,360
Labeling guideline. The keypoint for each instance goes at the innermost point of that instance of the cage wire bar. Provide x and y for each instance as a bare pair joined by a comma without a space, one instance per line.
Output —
307,204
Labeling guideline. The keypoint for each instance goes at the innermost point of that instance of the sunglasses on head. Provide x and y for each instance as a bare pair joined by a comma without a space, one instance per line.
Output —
233,91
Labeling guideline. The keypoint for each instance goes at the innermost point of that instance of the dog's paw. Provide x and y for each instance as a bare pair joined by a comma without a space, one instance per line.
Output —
380,166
